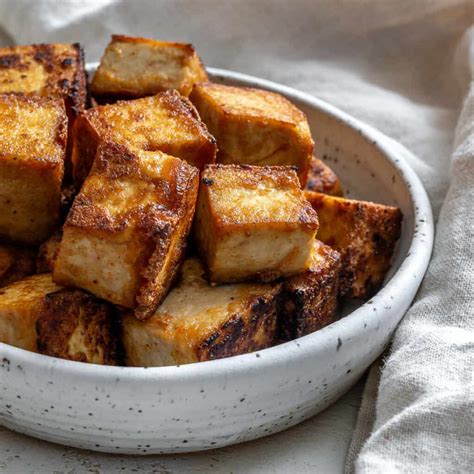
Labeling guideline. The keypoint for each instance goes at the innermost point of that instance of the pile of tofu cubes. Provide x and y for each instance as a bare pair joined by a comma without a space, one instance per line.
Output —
156,218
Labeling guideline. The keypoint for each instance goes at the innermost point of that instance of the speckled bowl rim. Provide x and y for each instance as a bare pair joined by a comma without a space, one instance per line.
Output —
411,269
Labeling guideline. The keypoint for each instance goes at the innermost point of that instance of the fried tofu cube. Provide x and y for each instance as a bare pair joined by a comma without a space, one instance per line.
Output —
322,179
138,67
364,233
309,300
49,70
40,316
165,122
125,235
253,222
74,325
198,322
16,263
32,152
20,303
255,127
47,253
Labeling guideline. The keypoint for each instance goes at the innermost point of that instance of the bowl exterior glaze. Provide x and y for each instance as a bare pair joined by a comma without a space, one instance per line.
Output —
218,403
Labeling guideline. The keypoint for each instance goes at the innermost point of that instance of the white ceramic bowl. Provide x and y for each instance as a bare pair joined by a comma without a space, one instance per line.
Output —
218,403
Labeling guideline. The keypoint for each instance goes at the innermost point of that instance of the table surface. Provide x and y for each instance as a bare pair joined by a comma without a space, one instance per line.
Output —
317,445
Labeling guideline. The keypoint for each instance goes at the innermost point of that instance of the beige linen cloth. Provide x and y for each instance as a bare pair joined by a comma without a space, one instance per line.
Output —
405,67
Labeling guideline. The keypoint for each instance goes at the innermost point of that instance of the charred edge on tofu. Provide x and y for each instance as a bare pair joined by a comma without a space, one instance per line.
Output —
63,311
322,179
237,336
15,264
78,95
307,308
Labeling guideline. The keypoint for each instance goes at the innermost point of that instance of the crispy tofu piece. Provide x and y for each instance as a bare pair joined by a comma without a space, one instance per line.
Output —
198,322
164,122
15,263
322,179
309,300
139,67
254,126
50,70
74,325
126,232
47,253
364,233
32,151
20,304
40,316
253,222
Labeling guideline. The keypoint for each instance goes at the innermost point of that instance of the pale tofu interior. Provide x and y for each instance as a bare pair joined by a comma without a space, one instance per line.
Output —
191,312
141,66
261,252
19,310
107,267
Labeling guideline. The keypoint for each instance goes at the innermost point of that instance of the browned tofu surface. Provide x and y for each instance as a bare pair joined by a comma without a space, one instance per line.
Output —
50,70
255,127
15,263
40,316
198,322
19,309
322,179
364,233
138,67
253,222
74,325
126,232
47,253
165,122
309,300
32,152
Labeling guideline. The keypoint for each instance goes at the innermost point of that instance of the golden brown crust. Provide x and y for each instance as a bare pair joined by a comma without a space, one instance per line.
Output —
253,222
254,127
198,322
84,142
364,233
309,300
139,39
16,263
136,207
19,306
133,67
47,253
50,70
322,179
24,118
164,122
75,325
32,152
251,331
